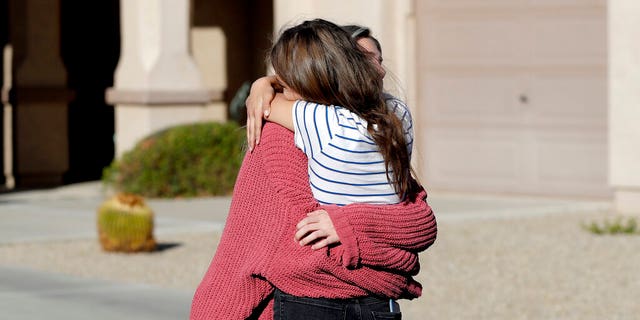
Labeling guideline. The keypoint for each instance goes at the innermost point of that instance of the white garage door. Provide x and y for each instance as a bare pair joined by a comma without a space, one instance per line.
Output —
512,95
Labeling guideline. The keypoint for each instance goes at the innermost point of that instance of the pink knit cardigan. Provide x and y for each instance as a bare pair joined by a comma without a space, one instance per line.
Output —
378,253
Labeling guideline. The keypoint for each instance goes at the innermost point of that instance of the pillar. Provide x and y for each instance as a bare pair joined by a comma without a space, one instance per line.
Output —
624,104
156,84
7,118
6,178
38,95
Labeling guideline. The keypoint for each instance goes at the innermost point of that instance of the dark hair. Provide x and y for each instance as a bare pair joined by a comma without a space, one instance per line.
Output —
359,32
321,62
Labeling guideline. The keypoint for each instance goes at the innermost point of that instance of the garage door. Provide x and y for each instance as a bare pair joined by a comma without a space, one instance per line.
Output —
512,96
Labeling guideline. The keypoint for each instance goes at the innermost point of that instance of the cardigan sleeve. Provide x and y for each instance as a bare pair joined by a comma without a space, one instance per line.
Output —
365,243
370,233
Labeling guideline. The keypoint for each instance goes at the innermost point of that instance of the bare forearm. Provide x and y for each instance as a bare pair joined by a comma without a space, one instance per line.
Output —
281,111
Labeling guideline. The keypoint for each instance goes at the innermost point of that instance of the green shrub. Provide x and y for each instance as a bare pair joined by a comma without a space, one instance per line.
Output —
618,226
199,159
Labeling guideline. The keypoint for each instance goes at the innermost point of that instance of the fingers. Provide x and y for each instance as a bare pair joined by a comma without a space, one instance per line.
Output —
262,112
316,229
254,122
250,123
318,239
324,242
250,134
320,244
316,213
304,230
307,221
266,103
312,237
258,107
257,125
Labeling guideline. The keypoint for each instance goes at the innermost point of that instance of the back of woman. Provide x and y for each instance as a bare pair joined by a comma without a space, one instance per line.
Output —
356,145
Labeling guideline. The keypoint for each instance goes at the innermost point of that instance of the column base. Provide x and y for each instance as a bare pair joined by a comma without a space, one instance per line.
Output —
39,180
627,201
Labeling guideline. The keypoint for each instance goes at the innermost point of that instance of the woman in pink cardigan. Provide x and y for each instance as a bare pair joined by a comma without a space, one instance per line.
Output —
376,255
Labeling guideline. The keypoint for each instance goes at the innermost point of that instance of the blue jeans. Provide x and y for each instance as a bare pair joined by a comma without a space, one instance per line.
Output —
288,307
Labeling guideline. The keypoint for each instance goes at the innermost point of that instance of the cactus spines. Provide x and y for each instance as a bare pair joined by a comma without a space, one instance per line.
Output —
125,224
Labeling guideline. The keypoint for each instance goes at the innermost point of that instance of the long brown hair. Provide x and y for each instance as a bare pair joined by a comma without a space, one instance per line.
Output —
359,32
319,60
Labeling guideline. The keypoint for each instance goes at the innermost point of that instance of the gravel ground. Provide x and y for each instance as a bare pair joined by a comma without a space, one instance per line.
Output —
536,267
529,268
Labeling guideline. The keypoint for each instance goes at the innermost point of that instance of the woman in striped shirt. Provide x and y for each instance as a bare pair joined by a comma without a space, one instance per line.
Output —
337,135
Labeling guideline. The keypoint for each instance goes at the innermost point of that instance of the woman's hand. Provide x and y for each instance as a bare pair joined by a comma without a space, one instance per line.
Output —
316,229
258,105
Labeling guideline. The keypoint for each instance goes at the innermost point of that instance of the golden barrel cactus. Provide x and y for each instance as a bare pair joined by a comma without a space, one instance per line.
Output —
125,224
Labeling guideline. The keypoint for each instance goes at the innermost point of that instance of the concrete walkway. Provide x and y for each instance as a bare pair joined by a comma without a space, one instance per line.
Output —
27,294
68,214
58,226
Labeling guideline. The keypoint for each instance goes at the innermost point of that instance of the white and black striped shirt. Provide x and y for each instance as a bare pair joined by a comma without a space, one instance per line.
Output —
345,165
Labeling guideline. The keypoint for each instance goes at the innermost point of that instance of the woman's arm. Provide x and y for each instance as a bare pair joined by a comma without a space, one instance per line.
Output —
379,235
407,225
281,111
258,105
290,181
368,233
263,98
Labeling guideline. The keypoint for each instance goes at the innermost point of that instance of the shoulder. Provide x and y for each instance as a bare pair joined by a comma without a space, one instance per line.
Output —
274,130
398,107
277,147
275,134
394,103
311,114
308,107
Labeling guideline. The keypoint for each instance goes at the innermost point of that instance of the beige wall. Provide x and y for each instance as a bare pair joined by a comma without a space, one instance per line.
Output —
390,21
571,64
624,104
513,96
